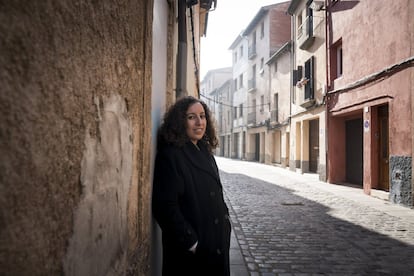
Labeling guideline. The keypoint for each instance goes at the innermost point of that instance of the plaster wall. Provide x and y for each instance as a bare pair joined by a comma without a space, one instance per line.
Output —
74,120
280,84
375,34
160,64
367,49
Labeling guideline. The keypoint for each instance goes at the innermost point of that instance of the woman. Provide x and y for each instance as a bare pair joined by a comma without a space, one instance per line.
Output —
187,194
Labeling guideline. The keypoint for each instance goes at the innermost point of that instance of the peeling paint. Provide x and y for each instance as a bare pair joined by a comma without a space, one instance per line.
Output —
100,233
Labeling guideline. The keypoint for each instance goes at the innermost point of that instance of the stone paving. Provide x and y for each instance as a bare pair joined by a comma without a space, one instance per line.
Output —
292,224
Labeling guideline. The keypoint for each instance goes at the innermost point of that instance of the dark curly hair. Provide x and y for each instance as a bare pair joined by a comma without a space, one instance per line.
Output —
173,129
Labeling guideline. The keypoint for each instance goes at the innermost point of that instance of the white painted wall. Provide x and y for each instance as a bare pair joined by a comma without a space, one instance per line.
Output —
158,96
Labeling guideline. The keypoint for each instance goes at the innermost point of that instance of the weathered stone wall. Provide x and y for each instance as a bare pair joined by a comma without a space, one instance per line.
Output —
401,180
74,137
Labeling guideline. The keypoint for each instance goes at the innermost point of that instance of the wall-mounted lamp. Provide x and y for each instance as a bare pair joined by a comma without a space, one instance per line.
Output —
317,6
206,4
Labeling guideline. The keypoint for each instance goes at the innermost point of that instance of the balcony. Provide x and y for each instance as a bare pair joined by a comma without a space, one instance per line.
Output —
251,85
305,34
305,86
274,116
251,118
252,51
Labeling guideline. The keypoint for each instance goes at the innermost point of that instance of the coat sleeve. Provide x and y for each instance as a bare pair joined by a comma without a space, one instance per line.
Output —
168,185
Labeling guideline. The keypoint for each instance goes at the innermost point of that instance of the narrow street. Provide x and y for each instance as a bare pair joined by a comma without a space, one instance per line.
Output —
292,224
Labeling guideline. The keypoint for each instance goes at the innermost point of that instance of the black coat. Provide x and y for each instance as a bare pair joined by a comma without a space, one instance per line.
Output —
188,204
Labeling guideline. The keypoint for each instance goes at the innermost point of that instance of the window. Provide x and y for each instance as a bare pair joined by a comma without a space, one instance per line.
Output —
275,67
300,27
336,60
261,65
241,81
339,65
275,101
252,82
275,111
241,51
235,84
235,57
241,110
309,75
262,30
235,112
261,104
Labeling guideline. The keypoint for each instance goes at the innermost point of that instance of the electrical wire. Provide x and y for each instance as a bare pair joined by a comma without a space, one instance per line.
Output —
232,106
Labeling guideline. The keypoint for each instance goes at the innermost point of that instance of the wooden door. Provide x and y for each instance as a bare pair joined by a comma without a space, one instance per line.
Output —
257,147
313,145
354,151
383,148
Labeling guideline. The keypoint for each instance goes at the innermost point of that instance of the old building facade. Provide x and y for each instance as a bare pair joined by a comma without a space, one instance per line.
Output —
266,33
240,66
308,150
330,100
278,133
370,96
82,96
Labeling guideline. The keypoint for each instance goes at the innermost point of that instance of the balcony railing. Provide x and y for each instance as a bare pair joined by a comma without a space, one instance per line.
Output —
251,85
251,118
274,115
252,51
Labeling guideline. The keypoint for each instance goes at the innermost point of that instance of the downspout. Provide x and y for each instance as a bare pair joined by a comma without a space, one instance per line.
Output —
328,38
181,77
292,89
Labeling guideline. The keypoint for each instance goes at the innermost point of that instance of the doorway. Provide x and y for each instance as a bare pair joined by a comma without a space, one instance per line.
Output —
383,152
354,151
287,149
257,147
313,145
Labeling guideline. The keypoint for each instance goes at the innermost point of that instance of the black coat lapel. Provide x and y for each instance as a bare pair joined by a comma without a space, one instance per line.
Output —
201,159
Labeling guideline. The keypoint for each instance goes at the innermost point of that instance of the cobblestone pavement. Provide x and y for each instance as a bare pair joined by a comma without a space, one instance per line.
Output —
292,224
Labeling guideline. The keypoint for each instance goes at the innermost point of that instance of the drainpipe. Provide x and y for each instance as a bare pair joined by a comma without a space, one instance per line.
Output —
292,90
328,38
181,77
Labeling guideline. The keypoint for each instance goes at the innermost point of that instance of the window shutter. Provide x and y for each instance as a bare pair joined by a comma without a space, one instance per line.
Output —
294,77
299,72
312,77
309,74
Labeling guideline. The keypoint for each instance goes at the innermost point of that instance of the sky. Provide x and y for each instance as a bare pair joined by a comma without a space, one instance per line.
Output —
224,24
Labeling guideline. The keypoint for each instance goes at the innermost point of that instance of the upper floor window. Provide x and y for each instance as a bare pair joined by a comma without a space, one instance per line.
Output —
309,77
339,65
241,51
261,103
262,32
241,80
300,27
261,65
235,84
275,101
336,60
235,57
241,110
